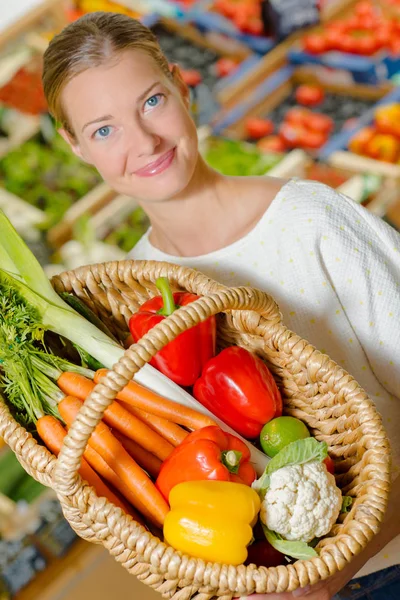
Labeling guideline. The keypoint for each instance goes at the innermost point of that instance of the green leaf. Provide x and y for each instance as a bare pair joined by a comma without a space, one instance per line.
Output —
261,485
298,550
347,503
298,453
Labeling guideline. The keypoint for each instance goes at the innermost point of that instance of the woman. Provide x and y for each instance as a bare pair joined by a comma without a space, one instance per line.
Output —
333,267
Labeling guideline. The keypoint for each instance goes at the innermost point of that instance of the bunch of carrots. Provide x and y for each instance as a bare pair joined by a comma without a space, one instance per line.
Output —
139,431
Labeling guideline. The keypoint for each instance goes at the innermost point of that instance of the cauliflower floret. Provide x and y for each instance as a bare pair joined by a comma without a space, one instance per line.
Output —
302,502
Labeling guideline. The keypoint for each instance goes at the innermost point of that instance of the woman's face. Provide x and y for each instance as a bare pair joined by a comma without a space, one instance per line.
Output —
132,123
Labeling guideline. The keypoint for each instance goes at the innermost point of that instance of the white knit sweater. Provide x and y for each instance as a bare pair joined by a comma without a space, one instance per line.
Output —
334,269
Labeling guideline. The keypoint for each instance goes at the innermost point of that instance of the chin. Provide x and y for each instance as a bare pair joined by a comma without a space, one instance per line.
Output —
164,188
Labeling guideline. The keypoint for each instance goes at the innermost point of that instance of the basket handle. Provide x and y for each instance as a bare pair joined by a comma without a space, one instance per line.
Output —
90,414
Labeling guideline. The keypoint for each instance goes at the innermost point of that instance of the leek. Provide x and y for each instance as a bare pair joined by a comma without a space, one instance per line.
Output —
20,270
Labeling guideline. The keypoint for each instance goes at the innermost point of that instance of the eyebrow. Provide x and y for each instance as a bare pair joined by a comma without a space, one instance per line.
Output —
99,120
108,117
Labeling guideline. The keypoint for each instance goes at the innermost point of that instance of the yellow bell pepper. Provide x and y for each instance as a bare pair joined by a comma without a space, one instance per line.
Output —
212,520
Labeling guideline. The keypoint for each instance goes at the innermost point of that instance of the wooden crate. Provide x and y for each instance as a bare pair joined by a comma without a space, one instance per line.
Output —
384,201
371,70
89,204
276,89
275,59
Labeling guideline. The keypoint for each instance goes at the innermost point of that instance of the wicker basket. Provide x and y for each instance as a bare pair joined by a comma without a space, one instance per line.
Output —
314,388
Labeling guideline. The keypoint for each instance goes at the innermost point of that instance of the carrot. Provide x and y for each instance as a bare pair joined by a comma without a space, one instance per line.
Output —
99,464
145,459
172,432
53,433
117,417
75,385
146,497
148,401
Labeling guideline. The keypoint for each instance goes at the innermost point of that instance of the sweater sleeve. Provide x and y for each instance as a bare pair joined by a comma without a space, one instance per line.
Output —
361,258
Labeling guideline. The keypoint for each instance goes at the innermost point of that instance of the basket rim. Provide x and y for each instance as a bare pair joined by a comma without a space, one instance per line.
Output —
360,526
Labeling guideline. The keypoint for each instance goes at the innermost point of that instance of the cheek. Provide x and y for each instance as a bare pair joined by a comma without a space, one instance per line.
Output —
108,163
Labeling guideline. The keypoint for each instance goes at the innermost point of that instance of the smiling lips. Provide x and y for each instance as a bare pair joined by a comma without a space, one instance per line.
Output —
158,166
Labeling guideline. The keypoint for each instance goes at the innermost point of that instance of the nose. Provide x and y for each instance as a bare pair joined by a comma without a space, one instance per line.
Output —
145,141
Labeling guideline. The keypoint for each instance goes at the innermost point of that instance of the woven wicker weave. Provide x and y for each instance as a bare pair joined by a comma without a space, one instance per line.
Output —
314,388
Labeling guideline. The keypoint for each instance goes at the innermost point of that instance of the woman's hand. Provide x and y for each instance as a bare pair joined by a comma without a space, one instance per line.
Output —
326,590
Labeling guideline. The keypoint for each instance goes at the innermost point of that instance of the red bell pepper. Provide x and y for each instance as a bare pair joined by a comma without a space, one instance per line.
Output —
208,453
182,359
237,387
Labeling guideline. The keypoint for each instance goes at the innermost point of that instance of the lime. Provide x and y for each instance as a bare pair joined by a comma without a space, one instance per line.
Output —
279,432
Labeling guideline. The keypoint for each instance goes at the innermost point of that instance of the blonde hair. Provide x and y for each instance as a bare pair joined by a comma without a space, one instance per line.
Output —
89,42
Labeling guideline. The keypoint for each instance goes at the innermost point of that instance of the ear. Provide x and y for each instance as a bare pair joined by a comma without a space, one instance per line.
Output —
72,143
180,84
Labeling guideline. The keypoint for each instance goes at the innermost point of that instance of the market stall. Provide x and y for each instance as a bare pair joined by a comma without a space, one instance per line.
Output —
270,96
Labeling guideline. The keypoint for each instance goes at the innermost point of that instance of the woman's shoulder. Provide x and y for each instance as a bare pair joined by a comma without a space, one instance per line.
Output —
321,209
315,202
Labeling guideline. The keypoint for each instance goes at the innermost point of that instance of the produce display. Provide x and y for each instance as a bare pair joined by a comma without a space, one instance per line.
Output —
173,467
87,6
380,140
306,119
226,473
128,233
366,31
45,173
234,157
244,14
24,92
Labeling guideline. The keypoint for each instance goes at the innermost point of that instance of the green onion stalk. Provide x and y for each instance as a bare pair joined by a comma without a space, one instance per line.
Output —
20,271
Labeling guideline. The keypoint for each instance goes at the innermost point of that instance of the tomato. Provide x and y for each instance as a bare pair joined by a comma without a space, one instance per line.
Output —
330,465
297,116
333,38
294,136
191,77
367,23
309,95
271,143
383,36
262,554
320,123
254,26
364,9
257,128
225,66
315,43
312,140
359,141
366,45
247,16
347,43
394,45
224,7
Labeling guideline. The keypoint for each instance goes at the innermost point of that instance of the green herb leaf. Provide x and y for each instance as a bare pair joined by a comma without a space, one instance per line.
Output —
298,453
347,503
298,550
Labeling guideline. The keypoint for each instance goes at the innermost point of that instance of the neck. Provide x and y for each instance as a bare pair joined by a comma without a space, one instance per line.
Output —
194,223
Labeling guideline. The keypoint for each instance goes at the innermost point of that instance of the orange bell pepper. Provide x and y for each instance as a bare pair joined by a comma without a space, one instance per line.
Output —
208,453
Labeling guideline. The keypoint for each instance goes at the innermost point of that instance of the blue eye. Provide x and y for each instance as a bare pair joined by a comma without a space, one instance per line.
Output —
103,132
154,100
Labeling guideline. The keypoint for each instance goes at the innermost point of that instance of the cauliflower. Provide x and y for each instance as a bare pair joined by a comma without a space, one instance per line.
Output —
302,502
